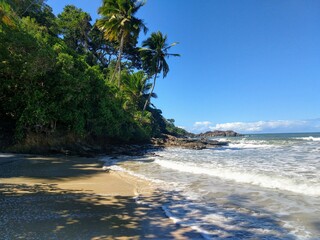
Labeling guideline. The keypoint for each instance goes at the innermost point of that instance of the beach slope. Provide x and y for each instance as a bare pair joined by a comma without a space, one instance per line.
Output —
73,198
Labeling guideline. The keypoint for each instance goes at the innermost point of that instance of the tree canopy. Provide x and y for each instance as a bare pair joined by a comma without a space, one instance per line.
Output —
55,74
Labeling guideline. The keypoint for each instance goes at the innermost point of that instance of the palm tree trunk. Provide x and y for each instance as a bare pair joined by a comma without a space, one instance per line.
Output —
33,2
115,70
150,94
118,64
120,56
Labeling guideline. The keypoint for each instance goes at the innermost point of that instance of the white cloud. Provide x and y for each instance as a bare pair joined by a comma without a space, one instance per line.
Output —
201,126
260,126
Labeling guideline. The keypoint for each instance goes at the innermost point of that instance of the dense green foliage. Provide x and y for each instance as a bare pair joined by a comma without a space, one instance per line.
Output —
56,74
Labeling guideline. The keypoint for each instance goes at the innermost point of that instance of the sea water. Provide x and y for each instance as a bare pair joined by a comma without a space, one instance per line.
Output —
264,186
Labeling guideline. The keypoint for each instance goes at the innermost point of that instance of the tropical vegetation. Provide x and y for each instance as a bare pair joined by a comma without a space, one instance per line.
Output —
57,74
119,25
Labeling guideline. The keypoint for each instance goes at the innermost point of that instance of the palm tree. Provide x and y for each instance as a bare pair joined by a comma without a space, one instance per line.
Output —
119,24
136,88
154,52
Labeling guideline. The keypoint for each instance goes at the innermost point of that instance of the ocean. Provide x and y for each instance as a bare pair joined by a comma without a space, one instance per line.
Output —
262,186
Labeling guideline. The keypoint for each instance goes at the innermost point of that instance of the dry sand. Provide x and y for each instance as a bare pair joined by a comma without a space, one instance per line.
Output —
73,198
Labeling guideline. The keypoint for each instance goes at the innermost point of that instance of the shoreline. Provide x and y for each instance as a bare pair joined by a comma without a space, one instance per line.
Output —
66,197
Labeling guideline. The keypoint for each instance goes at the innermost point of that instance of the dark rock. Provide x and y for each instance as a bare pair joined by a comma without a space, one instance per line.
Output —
190,143
217,133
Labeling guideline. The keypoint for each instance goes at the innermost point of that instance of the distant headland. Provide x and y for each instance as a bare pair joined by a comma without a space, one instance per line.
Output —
218,133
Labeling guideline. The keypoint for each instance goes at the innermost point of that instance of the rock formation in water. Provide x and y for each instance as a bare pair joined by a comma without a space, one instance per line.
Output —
218,133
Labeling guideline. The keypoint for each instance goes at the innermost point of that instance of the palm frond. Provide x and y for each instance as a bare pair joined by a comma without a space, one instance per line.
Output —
154,51
165,69
173,55
154,95
170,46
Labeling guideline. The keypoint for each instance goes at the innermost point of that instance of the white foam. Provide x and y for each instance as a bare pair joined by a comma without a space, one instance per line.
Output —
248,145
274,182
310,138
6,155
180,222
245,143
121,169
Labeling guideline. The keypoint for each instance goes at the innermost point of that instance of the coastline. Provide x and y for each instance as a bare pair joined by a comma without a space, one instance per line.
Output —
73,198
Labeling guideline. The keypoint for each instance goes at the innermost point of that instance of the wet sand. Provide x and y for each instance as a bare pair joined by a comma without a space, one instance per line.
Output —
73,198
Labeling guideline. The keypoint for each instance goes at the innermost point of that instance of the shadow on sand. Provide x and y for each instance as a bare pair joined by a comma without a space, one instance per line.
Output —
42,167
46,212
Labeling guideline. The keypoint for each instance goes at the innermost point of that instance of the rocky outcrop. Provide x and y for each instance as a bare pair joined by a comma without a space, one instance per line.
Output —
190,143
85,149
218,133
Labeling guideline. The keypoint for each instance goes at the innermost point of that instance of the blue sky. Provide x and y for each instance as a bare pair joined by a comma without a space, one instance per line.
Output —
251,66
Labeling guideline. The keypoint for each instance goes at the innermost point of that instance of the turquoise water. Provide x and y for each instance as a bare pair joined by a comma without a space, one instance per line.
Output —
264,186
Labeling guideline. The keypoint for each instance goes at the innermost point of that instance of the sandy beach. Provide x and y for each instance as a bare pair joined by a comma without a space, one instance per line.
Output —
64,197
